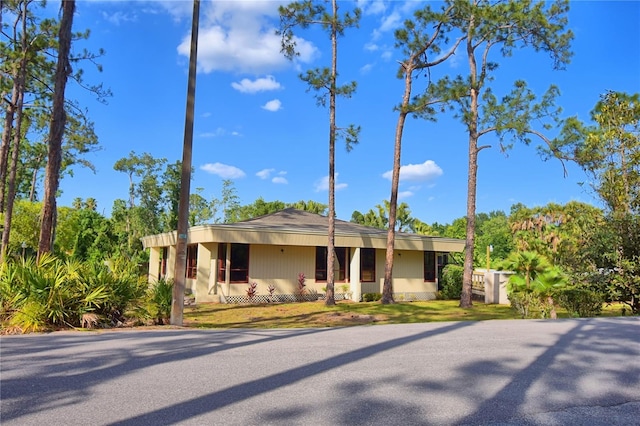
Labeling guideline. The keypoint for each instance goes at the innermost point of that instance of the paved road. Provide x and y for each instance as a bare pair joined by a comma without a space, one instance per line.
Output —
578,372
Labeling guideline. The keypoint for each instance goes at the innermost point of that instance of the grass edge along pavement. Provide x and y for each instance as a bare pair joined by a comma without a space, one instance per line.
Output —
346,313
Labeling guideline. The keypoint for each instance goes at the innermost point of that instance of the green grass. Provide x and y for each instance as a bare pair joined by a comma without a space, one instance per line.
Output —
316,314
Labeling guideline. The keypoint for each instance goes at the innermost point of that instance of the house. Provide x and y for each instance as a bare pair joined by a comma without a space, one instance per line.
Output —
272,250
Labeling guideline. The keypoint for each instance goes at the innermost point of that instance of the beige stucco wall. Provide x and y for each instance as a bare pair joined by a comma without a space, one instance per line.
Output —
279,266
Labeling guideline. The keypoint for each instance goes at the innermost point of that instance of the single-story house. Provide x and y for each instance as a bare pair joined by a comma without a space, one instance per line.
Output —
273,250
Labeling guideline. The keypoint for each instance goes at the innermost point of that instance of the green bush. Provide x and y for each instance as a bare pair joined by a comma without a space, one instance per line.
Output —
451,287
580,302
37,295
161,296
371,297
525,303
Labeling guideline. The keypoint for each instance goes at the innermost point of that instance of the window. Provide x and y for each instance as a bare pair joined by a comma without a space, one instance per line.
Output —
192,261
443,260
339,266
367,265
429,266
239,271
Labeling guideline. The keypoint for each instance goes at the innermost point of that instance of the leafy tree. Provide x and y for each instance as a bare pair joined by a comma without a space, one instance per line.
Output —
143,213
561,233
228,204
504,26
199,208
493,230
171,190
324,81
609,151
379,218
310,206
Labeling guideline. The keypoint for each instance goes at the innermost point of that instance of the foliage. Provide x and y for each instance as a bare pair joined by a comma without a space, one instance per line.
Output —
451,286
534,283
49,292
252,290
371,297
580,302
609,151
561,233
379,218
161,297
301,285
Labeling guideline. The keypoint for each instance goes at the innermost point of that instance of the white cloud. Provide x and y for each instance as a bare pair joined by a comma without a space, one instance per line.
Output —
371,47
258,85
402,195
322,184
279,179
239,36
273,106
390,22
217,133
223,170
119,17
366,69
417,172
265,173
206,115
372,7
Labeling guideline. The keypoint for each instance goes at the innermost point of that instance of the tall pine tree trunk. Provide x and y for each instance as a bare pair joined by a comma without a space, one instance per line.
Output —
331,254
56,132
472,183
17,107
387,287
6,141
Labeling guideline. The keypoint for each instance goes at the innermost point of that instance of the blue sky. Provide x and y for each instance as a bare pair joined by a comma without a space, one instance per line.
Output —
256,124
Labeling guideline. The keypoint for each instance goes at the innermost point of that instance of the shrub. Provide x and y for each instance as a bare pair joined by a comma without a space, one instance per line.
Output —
580,302
525,303
252,290
161,296
371,297
451,287
50,292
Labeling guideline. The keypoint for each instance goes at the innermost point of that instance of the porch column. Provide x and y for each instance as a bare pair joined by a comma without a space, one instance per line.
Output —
354,275
227,270
171,263
154,264
204,272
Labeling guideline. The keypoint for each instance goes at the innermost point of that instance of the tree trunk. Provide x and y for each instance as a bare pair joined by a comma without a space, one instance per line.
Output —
6,141
19,84
467,276
387,287
56,132
331,255
177,300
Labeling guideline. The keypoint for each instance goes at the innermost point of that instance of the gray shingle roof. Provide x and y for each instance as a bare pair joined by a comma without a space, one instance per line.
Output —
291,218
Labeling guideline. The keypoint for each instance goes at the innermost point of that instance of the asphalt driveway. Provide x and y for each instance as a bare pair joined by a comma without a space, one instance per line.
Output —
578,372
